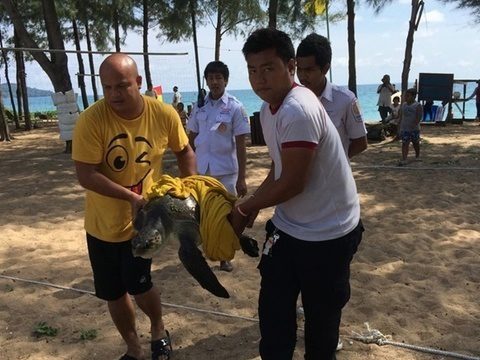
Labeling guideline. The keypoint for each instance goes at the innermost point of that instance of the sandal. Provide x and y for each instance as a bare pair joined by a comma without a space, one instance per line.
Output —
162,348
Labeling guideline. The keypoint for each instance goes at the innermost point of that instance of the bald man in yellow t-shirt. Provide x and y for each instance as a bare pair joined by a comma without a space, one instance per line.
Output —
118,146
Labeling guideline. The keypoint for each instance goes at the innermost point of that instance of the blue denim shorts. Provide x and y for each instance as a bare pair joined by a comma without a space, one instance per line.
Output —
407,136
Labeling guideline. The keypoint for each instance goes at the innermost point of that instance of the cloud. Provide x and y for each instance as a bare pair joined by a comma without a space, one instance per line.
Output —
426,33
465,63
434,16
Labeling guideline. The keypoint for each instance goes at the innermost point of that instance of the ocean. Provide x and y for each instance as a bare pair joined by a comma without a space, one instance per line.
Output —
367,95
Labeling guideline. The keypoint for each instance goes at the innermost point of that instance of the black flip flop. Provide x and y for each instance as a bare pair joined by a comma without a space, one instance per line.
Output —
162,347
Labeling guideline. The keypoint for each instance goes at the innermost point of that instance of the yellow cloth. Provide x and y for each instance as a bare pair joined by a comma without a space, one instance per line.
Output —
219,241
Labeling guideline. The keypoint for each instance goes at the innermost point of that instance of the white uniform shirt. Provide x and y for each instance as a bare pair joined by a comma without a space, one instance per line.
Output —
328,207
217,123
344,110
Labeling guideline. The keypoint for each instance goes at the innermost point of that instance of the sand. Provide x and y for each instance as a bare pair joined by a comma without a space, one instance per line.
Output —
415,277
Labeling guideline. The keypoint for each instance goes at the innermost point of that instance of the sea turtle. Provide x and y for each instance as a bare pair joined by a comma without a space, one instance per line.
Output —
167,217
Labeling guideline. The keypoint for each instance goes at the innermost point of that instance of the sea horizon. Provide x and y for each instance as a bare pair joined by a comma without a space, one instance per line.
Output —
366,93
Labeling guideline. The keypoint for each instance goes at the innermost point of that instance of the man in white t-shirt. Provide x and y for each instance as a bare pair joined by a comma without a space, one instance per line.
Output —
316,227
385,91
314,55
177,97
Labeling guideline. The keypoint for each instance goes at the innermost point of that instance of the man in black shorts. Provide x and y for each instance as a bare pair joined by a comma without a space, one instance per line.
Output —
118,146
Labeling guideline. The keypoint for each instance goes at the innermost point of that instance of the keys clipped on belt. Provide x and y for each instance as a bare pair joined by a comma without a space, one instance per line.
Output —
272,239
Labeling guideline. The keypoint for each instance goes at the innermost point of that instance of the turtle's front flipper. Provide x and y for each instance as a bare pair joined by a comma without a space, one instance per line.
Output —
193,260
249,245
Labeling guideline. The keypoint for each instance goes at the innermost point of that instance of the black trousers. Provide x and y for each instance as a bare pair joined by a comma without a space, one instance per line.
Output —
384,111
320,272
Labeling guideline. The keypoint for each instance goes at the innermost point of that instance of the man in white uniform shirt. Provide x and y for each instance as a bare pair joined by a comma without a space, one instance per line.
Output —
217,134
314,55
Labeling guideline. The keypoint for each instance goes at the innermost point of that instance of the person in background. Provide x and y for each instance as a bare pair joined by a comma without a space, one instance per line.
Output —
182,113
394,111
316,226
313,59
118,146
476,95
439,114
189,109
177,97
410,117
217,134
150,92
385,91
428,111
314,55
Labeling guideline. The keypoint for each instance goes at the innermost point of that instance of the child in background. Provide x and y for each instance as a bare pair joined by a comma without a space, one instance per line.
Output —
182,113
395,110
411,114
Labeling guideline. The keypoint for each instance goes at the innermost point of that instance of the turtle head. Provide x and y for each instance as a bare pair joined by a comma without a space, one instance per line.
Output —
150,234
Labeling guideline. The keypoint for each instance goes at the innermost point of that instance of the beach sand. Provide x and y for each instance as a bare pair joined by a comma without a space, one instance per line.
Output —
415,277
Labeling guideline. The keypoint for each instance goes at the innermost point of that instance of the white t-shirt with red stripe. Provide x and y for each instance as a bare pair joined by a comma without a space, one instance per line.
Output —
328,207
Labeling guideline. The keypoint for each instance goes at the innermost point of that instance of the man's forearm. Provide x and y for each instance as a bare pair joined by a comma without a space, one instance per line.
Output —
357,146
241,156
99,183
187,162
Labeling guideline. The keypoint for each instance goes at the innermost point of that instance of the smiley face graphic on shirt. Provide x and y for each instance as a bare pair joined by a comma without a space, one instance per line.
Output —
127,157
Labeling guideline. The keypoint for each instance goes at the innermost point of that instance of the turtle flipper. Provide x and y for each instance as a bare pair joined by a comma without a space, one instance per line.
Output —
193,260
249,245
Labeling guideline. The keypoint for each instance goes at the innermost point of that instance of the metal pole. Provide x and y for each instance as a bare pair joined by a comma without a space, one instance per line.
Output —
89,52
200,99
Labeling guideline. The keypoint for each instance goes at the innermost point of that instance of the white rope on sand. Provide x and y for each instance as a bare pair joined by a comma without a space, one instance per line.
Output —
373,336
406,167
44,283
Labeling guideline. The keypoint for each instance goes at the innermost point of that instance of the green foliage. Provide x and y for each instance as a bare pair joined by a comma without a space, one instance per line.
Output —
42,115
43,329
295,19
472,5
9,114
88,334
378,5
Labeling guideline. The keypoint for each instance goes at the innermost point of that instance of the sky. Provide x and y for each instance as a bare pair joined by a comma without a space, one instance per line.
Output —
446,42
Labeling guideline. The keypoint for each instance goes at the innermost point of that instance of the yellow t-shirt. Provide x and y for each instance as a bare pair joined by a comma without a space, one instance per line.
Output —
130,153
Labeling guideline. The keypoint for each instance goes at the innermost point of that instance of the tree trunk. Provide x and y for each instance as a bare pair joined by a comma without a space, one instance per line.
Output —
90,61
23,83
56,69
9,85
218,31
148,76
272,13
18,94
417,5
4,130
81,67
22,94
192,4
116,27
352,72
